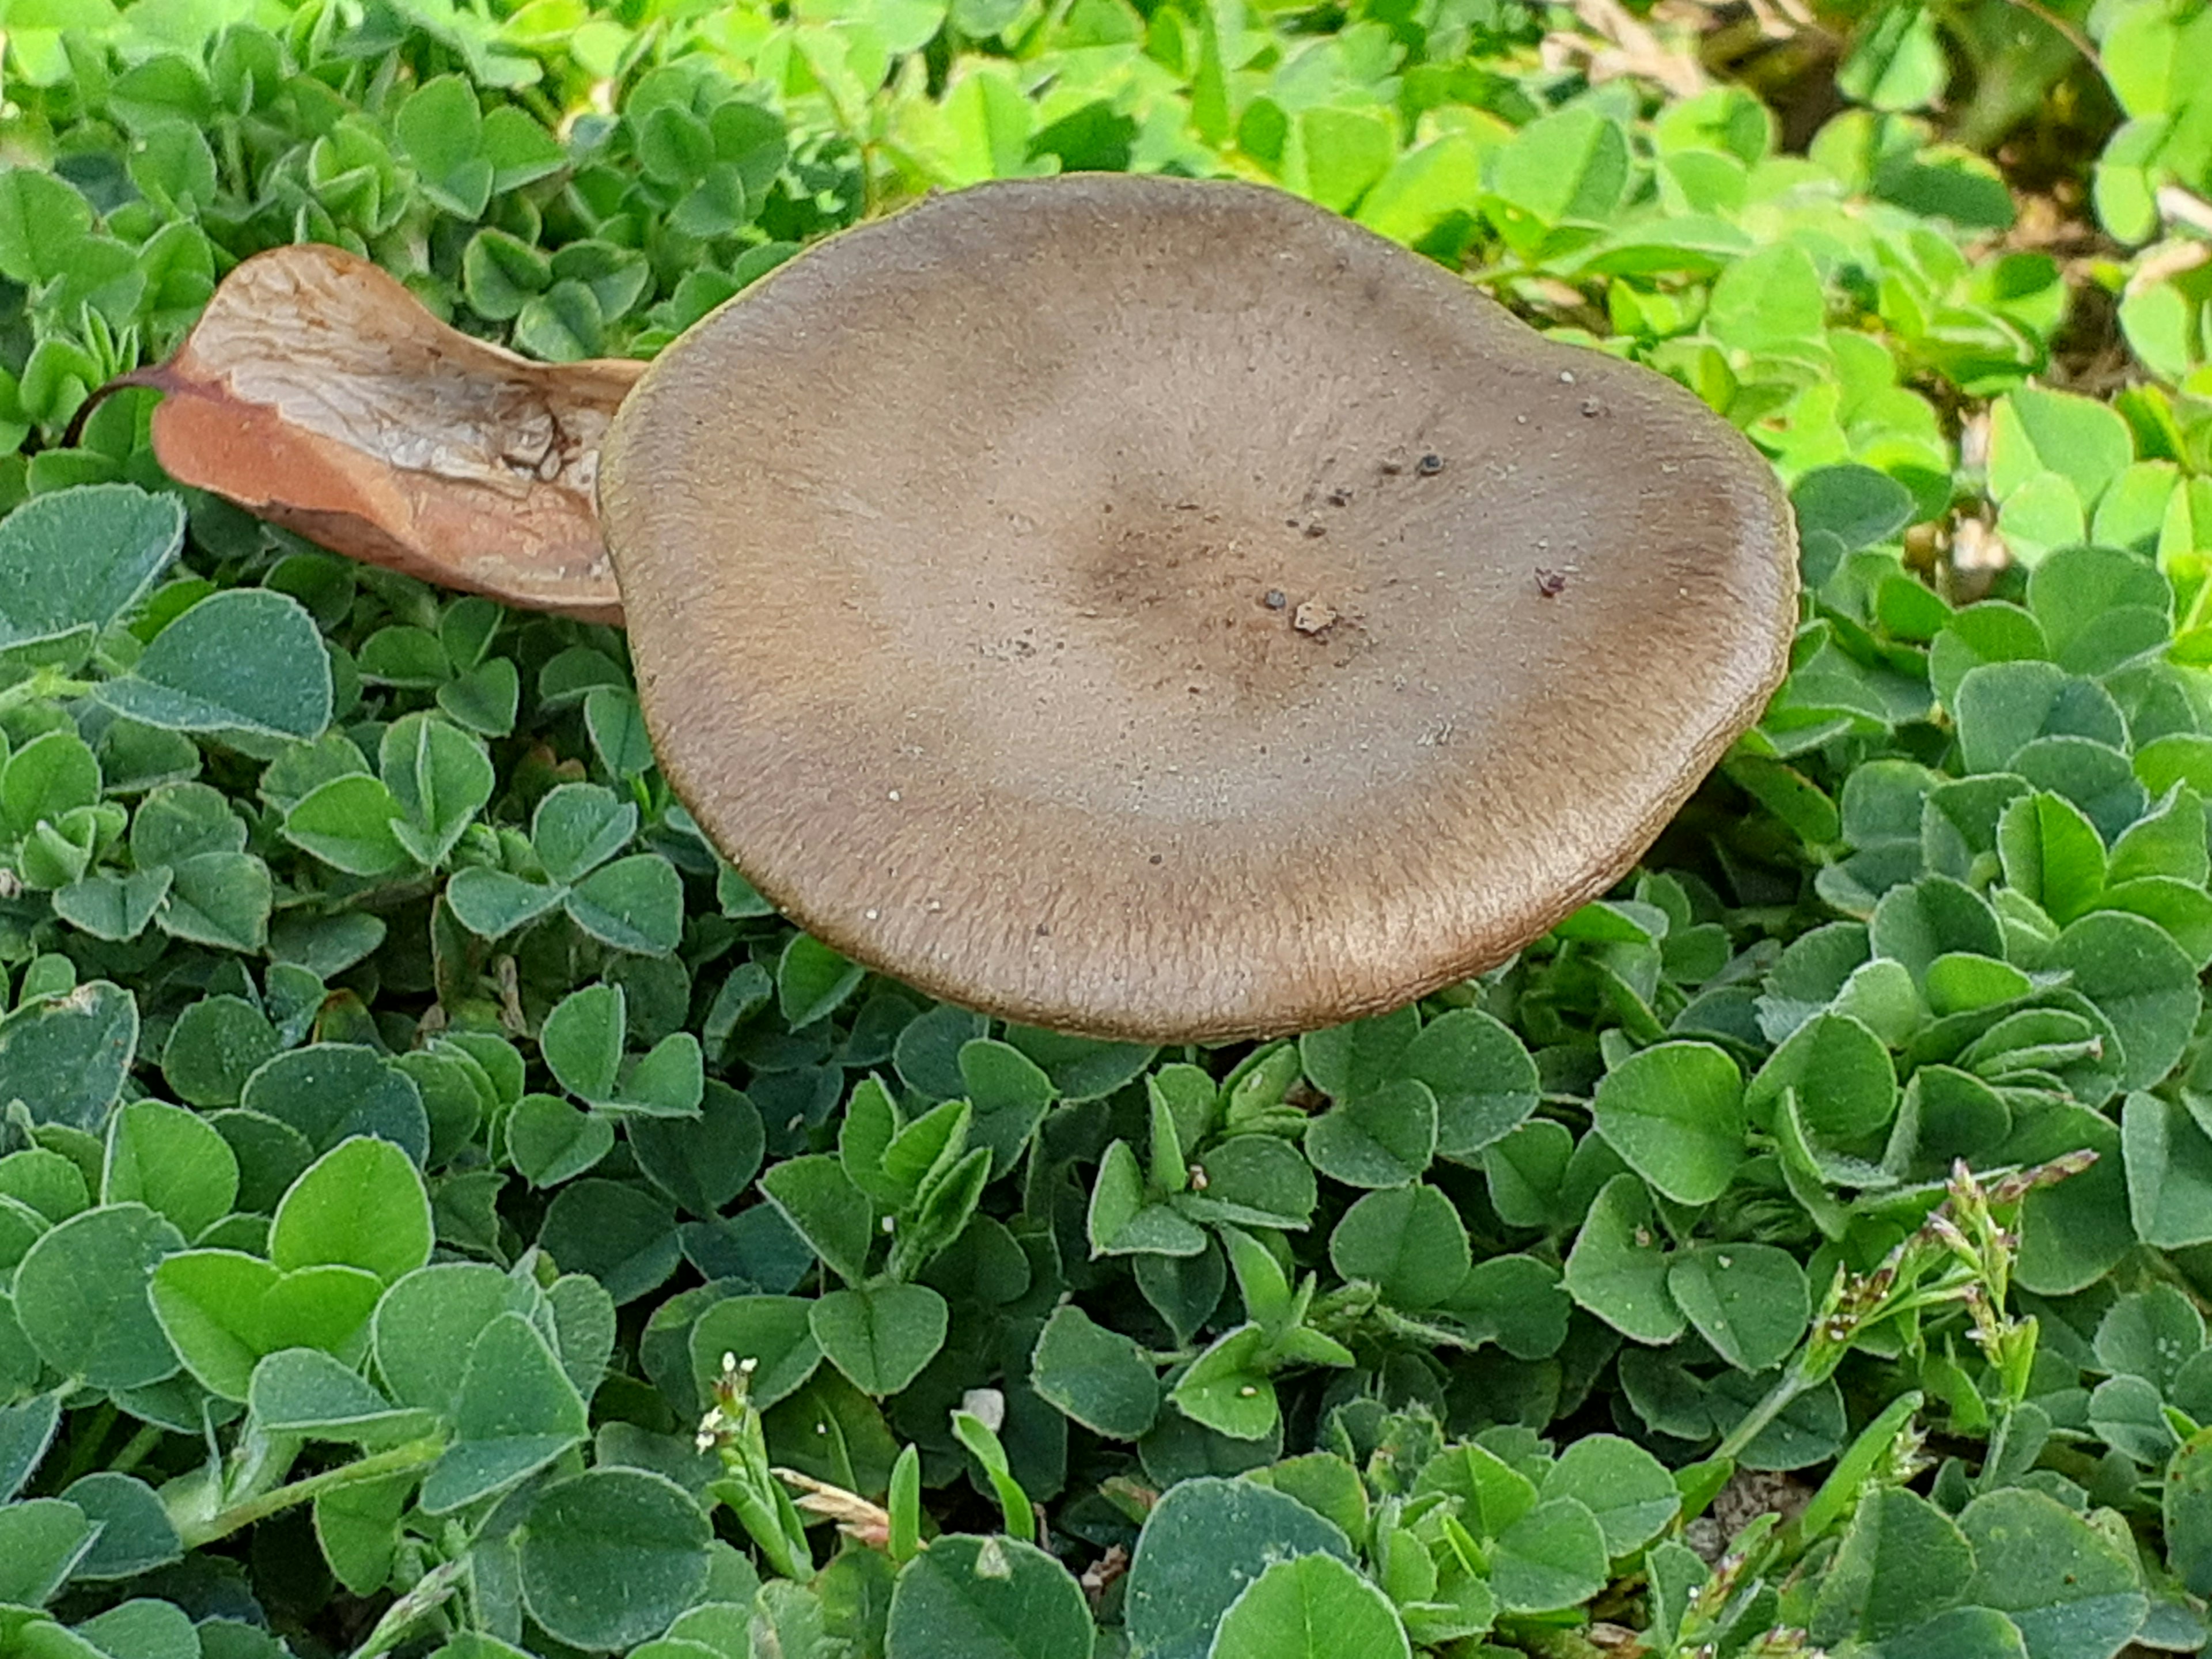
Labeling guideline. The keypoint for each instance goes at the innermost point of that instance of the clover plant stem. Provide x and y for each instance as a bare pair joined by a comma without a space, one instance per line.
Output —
430,1592
2162,1270
545,109
2000,1440
2199,609
84,1452
871,193
135,1448
781,1536
1817,1360
1399,1324
233,154
43,684
400,1460
395,895
1794,1381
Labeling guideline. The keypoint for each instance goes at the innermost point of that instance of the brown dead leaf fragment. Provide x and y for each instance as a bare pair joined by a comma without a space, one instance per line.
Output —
1100,1575
856,1517
318,392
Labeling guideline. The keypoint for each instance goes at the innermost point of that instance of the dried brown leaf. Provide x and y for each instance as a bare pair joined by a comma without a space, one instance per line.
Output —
316,392
856,1517
1099,1576
1630,47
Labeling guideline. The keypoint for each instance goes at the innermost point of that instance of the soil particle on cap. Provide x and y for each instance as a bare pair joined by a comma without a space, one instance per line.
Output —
1313,617
1551,583
1430,465
1339,497
1276,598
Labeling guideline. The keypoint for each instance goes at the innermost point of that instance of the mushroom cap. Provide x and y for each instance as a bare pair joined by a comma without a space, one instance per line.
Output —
1162,608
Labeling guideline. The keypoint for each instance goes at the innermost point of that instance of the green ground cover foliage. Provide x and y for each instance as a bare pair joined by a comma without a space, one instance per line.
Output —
413,1132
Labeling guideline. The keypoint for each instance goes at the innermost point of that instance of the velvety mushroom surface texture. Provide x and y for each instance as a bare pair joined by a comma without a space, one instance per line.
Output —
1163,609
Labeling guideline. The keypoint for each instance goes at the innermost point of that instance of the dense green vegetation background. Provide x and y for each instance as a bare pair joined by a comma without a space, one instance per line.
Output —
412,1128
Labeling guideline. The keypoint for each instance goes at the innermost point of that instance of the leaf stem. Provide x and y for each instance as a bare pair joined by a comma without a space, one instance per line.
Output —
86,1451
400,1460
431,1593
134,1450
1421,1330
41,683
1779,1398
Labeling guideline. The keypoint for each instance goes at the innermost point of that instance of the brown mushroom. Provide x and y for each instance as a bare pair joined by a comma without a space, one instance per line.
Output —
1120,604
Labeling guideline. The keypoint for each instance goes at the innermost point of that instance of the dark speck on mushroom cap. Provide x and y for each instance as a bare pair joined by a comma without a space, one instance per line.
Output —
967,569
